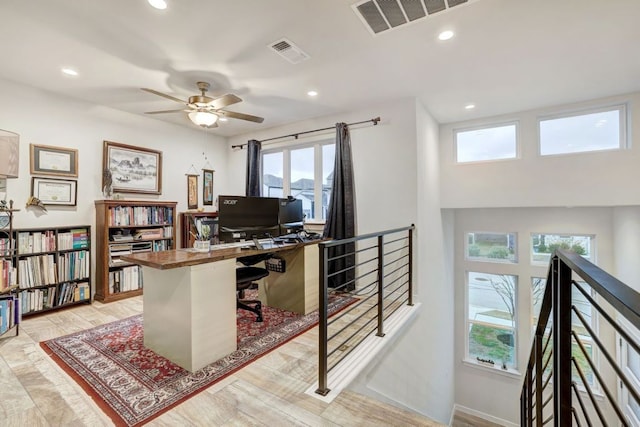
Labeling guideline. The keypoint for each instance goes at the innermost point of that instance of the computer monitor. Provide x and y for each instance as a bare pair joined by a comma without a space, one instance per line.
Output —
244,218
290,215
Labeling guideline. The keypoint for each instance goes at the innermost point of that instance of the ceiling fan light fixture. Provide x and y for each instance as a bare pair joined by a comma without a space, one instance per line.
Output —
203,118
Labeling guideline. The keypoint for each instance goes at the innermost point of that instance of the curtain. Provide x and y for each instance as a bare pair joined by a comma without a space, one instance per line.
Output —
341,213
253,187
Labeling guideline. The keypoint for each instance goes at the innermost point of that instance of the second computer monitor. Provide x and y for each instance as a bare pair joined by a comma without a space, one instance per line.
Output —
290,216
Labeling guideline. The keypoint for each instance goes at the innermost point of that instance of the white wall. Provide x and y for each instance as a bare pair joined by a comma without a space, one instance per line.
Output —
396,177
587,179
42,118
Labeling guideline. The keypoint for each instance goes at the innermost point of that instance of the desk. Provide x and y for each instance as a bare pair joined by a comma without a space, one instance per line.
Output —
189,298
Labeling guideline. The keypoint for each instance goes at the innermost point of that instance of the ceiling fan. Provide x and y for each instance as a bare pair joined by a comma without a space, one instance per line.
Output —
204,110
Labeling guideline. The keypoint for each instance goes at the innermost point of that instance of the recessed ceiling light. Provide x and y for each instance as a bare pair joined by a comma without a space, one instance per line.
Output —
158,4
312,93
69,72
445,35
470,106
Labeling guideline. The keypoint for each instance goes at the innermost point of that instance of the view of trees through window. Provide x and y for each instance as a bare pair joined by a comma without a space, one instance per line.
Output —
543,245
492,247
492,318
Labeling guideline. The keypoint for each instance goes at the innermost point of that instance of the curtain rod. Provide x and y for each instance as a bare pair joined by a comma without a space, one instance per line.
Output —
296,135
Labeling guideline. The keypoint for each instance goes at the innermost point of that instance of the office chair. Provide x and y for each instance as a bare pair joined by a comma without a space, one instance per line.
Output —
245,279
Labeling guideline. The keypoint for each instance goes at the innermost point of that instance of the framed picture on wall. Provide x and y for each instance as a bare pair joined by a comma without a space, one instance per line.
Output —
133,169
207,187
48,160
192,191
62,192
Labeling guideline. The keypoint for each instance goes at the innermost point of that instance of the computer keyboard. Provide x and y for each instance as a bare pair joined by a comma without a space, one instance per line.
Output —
232,245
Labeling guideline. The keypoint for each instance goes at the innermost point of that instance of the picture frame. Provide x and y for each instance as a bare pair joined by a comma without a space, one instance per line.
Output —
50,191
50,160
207,187
192,191
133,169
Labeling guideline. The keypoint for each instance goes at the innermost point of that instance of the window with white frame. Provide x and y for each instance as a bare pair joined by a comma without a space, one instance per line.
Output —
543,245
629,361
492,247
304,172
492,319
593,130
495,142
583,306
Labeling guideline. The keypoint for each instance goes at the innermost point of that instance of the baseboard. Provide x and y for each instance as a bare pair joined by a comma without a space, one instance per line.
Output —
487,417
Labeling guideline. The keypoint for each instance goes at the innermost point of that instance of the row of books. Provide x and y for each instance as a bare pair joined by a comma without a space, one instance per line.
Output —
36,241
140,215
40,299
125,279
73,239
5,246
43,270
37,271
73,265
9,312
8,276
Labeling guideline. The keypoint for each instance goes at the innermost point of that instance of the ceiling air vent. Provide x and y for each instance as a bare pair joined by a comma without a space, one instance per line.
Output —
289,51
382,15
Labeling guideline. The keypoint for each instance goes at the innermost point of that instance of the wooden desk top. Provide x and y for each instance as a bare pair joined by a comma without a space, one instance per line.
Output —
177,258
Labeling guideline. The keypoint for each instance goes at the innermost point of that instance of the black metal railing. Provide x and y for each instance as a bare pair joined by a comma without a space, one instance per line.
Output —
373,270
564,381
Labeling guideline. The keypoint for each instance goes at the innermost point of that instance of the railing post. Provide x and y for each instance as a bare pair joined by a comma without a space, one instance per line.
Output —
539,363
562,344
323,294
380,287
410,301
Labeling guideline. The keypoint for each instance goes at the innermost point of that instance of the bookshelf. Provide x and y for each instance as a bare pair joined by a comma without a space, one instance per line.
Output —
126,227
9,302
53,267
187,222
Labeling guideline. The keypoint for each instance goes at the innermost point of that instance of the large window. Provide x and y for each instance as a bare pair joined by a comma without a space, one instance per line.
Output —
596,130
486,143
491,319
304,172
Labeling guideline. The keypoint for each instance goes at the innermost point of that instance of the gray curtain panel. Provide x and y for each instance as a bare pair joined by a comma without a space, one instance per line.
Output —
341,214
253,187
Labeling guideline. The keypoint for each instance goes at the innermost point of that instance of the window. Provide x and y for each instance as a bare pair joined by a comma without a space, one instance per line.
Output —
629,361
582,305
492,247
596,130
486,143
305,173
491,319
543,245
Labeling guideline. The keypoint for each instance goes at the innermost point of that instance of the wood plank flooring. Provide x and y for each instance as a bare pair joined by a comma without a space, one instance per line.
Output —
34,391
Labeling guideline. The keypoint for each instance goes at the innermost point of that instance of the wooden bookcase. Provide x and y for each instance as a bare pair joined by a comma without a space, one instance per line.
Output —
53,267
125,227
187,221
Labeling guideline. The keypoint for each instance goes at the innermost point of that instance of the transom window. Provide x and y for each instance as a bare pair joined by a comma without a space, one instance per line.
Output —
543,245
595,130
486,143
492,247
304,172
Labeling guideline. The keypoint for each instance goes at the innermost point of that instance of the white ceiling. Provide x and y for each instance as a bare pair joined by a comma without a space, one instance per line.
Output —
507,55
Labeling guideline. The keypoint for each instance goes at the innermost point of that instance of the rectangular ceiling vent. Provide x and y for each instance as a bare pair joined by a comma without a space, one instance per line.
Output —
383,15
289,51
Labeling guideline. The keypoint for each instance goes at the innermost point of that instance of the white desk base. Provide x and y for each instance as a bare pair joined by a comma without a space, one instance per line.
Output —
190,312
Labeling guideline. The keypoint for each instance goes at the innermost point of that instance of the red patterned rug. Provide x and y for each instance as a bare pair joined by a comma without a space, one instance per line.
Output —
133,385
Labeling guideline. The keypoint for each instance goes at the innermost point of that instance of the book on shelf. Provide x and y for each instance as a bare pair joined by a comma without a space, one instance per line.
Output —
126,279
36,241
9,312
8,276
77,238
149,233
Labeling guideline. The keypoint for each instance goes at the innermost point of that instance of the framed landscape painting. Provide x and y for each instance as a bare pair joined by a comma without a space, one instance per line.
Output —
133,169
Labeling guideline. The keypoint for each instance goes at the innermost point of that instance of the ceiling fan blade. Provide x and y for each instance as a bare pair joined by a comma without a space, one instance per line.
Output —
164,95
224,100
165,111
241,116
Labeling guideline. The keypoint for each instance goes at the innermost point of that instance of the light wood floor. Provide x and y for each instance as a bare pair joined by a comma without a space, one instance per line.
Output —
269,392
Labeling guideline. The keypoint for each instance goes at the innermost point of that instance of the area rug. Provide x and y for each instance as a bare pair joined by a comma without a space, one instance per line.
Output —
133,385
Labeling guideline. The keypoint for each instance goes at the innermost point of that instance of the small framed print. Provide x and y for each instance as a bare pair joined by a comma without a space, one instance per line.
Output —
192,191
207,187
62,192
48,160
